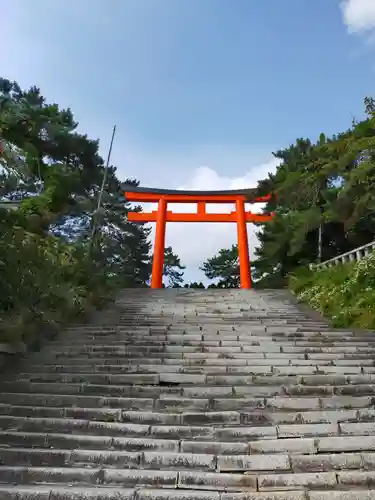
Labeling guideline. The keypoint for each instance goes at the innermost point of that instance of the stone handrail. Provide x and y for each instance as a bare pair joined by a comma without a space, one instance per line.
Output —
354,255
10,205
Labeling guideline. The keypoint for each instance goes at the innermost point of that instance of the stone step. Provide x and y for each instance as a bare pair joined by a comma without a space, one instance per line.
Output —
162,461
199,358
28,440
165,425
250,410
112,373
291,446
349,395
308,438
229,395
198,417
110,493
221,366
39,457
193,385
190,351
211,481
206,341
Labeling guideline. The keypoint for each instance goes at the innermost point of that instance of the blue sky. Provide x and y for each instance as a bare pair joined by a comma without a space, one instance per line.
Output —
201,91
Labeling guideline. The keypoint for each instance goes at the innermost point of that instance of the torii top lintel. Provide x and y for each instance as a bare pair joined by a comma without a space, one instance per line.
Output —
201,198
153,195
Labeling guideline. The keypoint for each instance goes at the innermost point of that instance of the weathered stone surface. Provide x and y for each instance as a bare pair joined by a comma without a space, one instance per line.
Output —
24,493
214,447
74,493
83,458
244,433
137,478
358,429
34,457
296,404
215,481
313,480
182,378
270,495
207,392
191,395
134,444
342,495
328,416
181,432
35,475
41,440
176,495
357,478
324,463
214,417
223,404
253,463
284,446
346,402
178,461
307,430
179,404
150,417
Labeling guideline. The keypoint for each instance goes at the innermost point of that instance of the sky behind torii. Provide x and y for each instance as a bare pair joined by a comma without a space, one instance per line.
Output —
201,91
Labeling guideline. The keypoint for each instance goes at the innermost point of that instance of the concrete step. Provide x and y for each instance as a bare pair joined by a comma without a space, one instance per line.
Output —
221,366
189,351
201,480
109,493
39,457
171,410
227,395
230,339
275,360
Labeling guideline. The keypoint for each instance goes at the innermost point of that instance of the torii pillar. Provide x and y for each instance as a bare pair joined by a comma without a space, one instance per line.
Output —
162,215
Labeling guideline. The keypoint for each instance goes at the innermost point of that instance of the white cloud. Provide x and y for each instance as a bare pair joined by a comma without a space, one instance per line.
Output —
359,15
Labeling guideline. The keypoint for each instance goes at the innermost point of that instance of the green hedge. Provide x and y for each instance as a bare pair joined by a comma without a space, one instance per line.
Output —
44,283
344,293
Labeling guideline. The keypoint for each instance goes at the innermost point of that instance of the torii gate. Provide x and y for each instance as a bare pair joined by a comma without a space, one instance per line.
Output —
162,215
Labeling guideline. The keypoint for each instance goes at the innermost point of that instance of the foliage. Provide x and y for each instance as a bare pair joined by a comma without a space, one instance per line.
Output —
53,266
344,293
223,267
194,284
328,184
173,269
325,187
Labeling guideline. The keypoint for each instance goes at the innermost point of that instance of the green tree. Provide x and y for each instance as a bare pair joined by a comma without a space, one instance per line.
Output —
173,269
195,284
223,267
325,200
47,272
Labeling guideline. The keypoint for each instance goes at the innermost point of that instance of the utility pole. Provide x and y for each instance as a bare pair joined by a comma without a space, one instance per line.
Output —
320,229
100,196
320,242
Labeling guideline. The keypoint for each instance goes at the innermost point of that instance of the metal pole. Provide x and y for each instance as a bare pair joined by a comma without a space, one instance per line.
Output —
320,234
100,197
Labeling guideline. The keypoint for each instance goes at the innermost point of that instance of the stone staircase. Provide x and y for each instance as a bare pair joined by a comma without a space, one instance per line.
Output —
193,395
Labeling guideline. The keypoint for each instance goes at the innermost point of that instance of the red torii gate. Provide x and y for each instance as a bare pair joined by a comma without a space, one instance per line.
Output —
162,215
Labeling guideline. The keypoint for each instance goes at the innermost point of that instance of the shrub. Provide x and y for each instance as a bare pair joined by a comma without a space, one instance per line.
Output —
44,282
344,293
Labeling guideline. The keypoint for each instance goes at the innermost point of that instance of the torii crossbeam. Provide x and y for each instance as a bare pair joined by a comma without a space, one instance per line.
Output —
162,215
